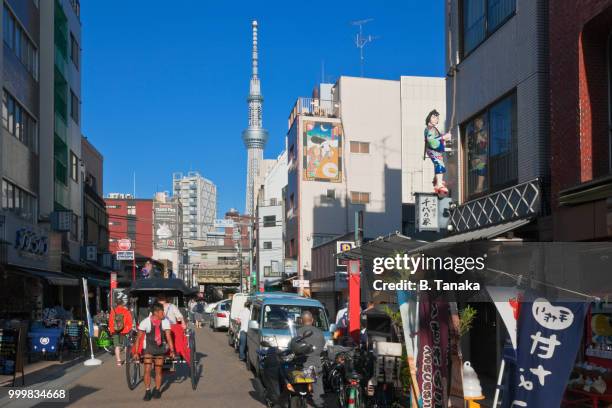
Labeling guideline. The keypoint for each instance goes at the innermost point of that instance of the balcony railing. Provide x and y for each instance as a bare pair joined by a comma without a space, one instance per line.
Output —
519,201
313,107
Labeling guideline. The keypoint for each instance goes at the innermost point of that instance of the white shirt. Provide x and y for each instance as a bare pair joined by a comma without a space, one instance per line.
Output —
173,313
244,316
146,327
340,315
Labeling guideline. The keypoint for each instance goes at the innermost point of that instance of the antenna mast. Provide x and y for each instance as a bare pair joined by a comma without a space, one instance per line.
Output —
361,41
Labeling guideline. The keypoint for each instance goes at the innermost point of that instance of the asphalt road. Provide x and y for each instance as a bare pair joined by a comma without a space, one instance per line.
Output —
224,382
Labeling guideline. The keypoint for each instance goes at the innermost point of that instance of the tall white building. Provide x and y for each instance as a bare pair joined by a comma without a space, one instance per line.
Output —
198,197
255,136
269,227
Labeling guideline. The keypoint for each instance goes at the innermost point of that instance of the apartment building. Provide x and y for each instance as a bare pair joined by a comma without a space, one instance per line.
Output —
268,229
198,197
344,156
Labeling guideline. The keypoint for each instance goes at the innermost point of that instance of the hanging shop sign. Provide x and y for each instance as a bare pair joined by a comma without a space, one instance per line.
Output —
549,336
343,246
427,212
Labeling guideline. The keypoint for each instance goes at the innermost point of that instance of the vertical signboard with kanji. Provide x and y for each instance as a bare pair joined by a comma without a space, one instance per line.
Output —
548,339
432,359
427,212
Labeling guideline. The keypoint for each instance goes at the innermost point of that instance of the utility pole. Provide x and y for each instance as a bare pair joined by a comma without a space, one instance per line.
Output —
361,41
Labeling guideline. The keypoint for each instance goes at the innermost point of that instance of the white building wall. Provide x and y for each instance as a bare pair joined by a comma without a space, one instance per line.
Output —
370,112
419,96
271,204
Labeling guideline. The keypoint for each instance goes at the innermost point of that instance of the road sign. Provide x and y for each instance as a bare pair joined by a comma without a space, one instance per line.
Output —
224,223
124,244
343,246
125,255
297,283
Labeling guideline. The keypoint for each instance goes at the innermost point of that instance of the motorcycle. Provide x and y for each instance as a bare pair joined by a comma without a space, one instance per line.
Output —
286,379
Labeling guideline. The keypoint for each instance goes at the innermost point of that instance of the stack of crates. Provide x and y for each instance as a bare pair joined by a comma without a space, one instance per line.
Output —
387,363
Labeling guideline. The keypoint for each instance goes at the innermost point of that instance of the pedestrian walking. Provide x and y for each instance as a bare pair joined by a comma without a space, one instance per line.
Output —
119,324
154,333
243,317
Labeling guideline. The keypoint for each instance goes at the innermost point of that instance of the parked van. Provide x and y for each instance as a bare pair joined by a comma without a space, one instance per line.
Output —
233,331
269,315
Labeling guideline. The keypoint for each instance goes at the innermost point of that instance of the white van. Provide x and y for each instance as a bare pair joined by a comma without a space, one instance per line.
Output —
238,301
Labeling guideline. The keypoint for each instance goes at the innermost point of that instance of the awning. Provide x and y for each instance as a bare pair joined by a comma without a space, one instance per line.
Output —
383,246
398,243
481,234
54,278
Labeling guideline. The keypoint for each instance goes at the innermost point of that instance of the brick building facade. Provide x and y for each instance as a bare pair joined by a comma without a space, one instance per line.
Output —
132,219
580,114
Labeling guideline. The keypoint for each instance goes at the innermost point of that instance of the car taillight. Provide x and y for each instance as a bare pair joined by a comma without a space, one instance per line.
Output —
220,314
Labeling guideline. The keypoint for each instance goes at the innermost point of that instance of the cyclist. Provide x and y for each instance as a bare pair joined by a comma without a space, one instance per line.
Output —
119,325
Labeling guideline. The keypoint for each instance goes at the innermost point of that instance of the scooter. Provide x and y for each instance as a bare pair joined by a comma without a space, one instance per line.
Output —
287,382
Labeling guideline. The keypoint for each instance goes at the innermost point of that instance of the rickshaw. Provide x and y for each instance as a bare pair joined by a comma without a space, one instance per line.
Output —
140,296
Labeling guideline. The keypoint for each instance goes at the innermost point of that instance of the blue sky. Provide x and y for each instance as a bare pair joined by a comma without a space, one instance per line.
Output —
164,84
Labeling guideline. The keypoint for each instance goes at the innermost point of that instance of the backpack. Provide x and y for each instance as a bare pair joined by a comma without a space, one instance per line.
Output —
118,321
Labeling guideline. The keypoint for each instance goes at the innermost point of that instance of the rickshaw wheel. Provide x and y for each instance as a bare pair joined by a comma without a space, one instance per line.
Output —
193,369
132,368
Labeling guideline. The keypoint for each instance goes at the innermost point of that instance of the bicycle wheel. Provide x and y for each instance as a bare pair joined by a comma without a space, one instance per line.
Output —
132,369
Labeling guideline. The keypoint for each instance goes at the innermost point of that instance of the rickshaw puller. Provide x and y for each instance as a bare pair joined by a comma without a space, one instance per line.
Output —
154,347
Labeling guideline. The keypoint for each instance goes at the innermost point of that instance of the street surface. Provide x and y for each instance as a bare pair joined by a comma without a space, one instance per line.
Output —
224,382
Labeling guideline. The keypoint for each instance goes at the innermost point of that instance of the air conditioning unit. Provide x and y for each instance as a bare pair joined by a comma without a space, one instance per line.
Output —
61,220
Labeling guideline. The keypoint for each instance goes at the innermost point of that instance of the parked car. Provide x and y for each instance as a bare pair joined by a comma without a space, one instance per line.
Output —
233,331
220,315
269,316
208,310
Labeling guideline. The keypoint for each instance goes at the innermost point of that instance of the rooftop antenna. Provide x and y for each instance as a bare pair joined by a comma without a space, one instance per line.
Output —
361,41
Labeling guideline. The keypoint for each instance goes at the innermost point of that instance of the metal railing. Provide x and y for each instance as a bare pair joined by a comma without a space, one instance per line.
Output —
314,107
519,201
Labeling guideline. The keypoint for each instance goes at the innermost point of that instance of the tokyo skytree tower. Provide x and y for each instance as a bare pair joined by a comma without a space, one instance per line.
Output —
255,136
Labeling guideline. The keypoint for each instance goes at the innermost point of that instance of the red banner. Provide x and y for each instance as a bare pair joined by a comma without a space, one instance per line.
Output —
433,341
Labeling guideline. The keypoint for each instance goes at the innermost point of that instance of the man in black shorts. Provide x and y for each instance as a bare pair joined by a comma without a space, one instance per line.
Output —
157,340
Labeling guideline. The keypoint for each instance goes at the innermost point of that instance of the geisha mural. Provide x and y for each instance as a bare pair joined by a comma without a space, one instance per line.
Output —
322,151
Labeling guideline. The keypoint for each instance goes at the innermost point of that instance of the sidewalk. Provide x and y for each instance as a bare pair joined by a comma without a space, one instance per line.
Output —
43,371
52,375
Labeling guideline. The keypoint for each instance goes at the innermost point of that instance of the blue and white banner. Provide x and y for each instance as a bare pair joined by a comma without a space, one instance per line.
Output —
549,336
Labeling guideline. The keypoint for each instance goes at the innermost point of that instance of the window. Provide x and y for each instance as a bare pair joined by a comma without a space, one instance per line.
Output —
114,223
491,148
255,313
358,197
331,194
112,206
269,221
74,227
267,245
18,121
74,51
74,107
276,316
17,39
360,147
481,18
74,167
267,271
131,210
17,200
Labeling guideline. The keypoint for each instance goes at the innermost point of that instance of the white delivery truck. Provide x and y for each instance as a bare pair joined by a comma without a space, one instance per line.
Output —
233,332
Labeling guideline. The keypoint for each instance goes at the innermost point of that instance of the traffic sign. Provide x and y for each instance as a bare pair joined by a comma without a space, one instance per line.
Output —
297,283
125,255
224,223
124,244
